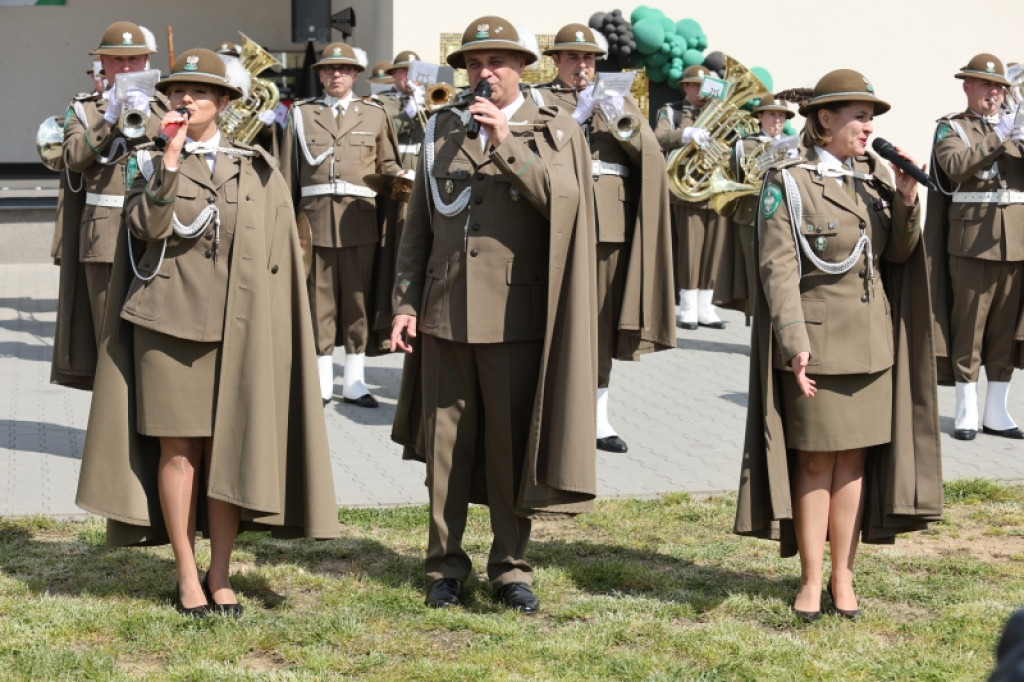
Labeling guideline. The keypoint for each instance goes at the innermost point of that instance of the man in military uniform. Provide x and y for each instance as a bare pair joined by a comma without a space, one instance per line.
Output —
495,289
329,145
406,106
699,234
97,150
379,76
976,221
630,195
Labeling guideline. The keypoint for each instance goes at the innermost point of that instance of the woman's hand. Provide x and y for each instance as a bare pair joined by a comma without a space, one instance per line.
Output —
799,364
175,126
905,184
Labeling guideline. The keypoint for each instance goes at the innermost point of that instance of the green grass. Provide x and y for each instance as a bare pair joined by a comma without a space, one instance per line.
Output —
639,589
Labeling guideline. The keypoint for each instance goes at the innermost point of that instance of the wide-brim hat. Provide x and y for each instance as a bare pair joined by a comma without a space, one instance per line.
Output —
229,48
199,65
490,33
695,74
123,38
381,73
402,59
340,53
768,103
985,67
575,38
843,85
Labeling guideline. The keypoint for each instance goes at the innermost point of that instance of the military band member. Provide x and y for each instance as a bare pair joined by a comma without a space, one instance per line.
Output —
699,238
974,226
379,76
97,150
495,293
634,276
406,106
330,144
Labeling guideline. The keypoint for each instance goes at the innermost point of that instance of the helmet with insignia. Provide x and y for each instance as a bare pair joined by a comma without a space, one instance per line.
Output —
575,38
229,48
694,74
985,67
843,85
768,103
402,59
337,54
199,65
490,33
381,73
123,38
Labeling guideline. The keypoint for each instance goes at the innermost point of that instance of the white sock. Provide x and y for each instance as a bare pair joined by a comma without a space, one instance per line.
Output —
604,427
705,308
355,383
325,368
688,306
966,406
996,415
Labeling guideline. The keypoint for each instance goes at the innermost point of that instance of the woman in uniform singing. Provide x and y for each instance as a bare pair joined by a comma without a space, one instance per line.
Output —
827,447
210,355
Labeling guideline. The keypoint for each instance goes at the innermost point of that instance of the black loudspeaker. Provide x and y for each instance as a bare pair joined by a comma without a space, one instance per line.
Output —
311,20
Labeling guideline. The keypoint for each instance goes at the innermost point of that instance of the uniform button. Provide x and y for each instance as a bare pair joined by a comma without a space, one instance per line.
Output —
478,201
208,236
864,298
475,227
211,200
863,273
511,159
273,269
474,253
208,254
820,228
863,224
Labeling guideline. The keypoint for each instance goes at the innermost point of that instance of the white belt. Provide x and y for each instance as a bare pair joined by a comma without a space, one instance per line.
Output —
338,189
1002,197
605,168
409,148
107,200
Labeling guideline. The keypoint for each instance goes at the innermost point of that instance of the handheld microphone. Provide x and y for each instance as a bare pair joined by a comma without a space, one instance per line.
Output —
482,89
888,152
161,140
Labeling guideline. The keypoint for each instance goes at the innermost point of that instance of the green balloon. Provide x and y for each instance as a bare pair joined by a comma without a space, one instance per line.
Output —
655,76
666,68
639,13
788,128
649,35
691,57
668,25
763,76
674,74
692,43
702,42
676,51
688,28
657,59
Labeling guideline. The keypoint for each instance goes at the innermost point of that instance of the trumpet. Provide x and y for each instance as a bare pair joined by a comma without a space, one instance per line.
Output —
132,123
623,125
439,95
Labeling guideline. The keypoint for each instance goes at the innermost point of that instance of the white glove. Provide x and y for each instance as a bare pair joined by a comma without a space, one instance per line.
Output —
419,95
1017,135
584,105
136,99
1005,126
114,107
410,107
266,117
699,136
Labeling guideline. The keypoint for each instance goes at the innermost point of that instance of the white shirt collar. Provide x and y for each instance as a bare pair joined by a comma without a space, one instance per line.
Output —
334,102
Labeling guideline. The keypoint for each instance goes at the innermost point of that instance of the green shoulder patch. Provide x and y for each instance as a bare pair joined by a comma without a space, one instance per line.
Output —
941,132
771,199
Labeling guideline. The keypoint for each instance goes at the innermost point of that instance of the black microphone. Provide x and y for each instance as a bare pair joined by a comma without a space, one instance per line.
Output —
161,140
482,89
888,152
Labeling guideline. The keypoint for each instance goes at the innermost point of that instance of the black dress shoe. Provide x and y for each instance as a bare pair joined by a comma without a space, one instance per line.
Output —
1012,432
362,401
964,434
713,325
690,326
849,614
445,592
191,611
326,401
520,597
611,444
807,616
234,609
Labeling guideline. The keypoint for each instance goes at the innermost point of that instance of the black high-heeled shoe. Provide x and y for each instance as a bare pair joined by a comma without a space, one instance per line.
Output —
234,609
806,616
849,614
193,611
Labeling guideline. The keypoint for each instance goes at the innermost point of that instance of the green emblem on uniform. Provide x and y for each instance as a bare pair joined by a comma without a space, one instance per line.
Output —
820,243
192,62
771,199
449,186
130,169
336,53
942,132
126,39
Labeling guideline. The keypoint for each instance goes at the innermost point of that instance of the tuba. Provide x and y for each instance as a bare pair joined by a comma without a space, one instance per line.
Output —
50,143
691,168
240,120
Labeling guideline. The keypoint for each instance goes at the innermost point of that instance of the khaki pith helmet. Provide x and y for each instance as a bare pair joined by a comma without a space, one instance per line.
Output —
402,59
695,74
768,103
985,67
843,85
199,65
228,48
381,73
575,38
339,53
122,38
489,33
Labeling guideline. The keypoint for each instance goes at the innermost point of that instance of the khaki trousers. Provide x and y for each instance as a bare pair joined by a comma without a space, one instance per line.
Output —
986,303
477,403
339,283
699,245
612,263
97,282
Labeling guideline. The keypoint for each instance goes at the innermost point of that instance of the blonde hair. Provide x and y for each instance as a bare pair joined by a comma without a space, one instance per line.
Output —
814,133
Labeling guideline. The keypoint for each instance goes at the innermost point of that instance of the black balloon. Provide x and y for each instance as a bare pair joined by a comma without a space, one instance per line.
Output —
714,61
617,13
613,39
596,20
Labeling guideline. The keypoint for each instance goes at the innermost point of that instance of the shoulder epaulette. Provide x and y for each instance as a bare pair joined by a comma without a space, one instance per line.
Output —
369,100
306,100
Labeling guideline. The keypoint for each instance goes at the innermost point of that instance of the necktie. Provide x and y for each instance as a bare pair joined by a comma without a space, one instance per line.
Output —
341,114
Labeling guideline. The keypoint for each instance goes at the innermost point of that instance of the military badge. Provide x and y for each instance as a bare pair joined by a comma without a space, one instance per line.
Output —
482,31
942,132
990,67
126,38
820,243
449,186
770,200
579,37
192,62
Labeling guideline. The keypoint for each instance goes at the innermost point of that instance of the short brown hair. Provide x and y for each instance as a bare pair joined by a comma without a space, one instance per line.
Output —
813,134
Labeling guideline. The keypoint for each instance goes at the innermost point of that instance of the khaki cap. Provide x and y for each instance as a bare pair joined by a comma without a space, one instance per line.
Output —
402,59
489,33
199,65
985,67
340,53
768,103
576,38
695,74
123,38
381,73
843,85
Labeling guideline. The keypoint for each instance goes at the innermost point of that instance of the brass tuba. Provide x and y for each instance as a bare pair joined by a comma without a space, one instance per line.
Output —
691,168
240,119
726,190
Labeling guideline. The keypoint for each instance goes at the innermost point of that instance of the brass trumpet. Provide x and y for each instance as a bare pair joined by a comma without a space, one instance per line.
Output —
132,123
624,126
439,95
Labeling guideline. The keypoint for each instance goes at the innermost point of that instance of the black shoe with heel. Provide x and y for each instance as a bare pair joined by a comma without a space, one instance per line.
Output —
853,614
192,611
234,609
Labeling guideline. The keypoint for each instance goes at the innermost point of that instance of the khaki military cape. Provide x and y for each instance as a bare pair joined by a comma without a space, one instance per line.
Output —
903,478
559,474
270,452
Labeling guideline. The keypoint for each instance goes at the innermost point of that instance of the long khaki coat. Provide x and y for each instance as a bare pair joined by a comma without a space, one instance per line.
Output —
560,463
903,478
270,453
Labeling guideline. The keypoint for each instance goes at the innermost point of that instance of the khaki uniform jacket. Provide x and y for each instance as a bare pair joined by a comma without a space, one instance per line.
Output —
408,131
484,285
903,478
88,233
270,453
362,145
624,208
842,320
973,230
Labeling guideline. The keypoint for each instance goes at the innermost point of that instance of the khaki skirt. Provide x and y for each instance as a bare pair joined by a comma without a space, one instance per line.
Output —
849,411
175,384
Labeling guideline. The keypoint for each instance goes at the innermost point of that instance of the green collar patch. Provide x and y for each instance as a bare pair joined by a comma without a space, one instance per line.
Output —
771,199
